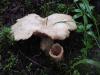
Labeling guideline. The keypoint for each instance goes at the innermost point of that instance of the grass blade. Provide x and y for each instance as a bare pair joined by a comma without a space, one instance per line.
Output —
88,61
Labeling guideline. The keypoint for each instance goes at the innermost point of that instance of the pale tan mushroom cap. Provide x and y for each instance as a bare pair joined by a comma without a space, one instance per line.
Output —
58,31
54,18
25,26
33,24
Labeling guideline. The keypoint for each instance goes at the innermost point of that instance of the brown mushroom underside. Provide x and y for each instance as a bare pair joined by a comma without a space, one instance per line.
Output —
56,50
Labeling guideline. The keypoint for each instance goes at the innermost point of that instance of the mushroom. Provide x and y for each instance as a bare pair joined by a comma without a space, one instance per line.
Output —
56,52
48,29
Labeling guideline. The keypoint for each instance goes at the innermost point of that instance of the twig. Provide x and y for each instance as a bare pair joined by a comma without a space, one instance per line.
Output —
32,60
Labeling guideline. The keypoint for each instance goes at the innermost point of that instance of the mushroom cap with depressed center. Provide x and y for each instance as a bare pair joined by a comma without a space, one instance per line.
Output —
33,24
56,52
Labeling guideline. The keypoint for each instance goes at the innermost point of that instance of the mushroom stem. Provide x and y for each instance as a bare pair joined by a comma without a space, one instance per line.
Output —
56,52
46,44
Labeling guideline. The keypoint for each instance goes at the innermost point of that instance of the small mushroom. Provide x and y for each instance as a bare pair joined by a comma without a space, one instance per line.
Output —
46,28
56,52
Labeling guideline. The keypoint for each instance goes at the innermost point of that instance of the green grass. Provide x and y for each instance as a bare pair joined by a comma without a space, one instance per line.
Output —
79,59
